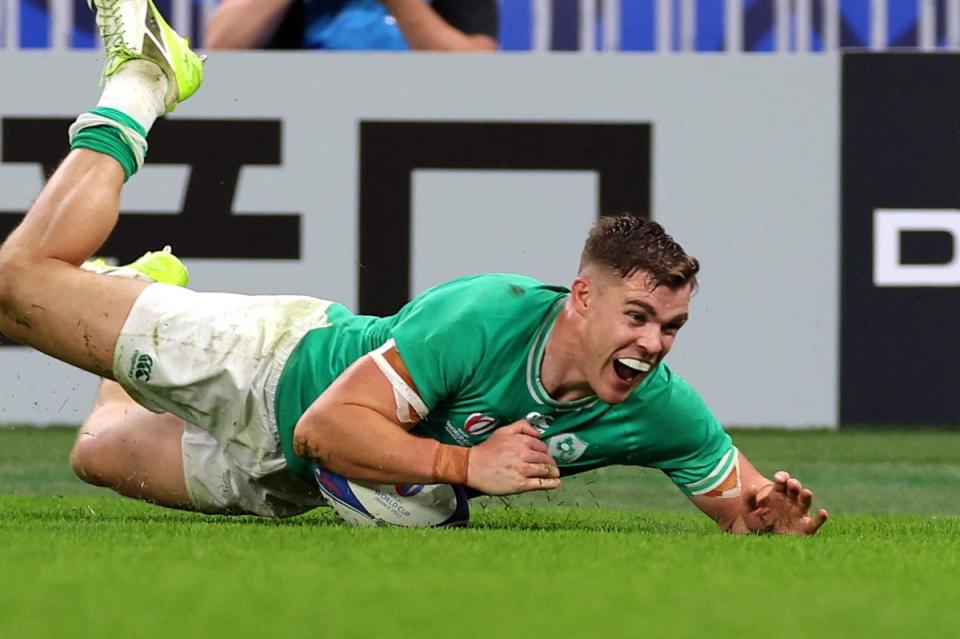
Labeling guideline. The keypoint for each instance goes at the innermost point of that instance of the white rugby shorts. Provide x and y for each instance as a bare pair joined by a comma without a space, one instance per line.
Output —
214,360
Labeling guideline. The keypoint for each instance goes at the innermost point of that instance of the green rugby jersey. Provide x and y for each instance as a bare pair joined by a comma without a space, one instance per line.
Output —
474,347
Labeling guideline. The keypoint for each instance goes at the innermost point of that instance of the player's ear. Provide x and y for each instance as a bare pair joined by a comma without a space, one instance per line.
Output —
581,293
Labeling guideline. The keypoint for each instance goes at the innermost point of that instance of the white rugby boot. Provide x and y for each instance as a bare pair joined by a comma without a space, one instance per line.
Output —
135,30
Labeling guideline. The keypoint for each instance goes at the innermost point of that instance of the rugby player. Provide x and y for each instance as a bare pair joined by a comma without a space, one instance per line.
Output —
497,382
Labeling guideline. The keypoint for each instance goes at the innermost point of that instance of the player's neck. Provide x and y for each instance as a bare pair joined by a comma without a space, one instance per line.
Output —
560,372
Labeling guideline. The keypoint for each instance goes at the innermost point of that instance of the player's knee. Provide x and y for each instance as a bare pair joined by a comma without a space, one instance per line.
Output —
12,269
93,458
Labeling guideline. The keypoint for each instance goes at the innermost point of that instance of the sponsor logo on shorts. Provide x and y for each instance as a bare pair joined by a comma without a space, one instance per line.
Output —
566,448
478,424
141,365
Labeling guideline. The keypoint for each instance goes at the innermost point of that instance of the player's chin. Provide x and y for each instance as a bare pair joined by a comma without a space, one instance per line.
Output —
618,390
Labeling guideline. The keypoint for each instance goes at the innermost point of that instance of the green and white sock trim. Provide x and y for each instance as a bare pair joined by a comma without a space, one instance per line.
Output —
111,132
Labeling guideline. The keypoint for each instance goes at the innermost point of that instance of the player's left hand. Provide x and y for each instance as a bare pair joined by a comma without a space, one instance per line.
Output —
784,507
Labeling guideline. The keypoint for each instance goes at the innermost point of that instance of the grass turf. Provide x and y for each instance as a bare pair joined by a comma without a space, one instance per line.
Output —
634,559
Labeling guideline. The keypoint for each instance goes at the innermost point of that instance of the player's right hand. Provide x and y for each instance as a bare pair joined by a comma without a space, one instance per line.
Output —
512,460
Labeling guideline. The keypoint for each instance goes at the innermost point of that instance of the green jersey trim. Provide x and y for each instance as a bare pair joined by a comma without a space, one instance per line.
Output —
535,363
715,477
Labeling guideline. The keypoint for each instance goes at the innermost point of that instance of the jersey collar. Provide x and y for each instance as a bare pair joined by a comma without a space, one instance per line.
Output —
535,363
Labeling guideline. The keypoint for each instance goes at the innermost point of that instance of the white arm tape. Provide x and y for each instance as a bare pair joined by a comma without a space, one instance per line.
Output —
404,396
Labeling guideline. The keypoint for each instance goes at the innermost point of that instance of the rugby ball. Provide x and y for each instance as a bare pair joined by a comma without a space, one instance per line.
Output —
412,505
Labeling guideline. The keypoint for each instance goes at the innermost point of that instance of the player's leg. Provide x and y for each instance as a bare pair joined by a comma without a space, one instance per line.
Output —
121,445
217,365
215,361
131,450
45,301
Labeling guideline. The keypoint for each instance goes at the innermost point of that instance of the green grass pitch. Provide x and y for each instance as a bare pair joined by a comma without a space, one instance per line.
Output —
617,552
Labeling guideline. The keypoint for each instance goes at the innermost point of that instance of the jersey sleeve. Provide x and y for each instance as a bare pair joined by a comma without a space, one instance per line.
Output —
694,451
442,340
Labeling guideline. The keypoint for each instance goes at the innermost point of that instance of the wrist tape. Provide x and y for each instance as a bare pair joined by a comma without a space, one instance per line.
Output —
450,464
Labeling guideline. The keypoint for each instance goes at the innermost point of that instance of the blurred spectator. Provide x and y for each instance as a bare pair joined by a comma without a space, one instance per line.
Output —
443,25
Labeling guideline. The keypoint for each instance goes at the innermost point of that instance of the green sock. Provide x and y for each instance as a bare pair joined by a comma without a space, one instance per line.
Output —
112,133
120,117
107,140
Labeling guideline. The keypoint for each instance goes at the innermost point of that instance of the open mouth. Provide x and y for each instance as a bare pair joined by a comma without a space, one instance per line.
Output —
627,368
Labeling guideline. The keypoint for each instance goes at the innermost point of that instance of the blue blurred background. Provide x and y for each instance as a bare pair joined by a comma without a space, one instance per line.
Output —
637,24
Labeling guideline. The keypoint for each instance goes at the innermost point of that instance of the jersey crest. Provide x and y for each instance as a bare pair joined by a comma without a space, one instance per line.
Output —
566,447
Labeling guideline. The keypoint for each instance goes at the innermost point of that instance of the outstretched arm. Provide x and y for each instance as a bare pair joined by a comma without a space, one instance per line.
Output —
781,506
358,428
244,24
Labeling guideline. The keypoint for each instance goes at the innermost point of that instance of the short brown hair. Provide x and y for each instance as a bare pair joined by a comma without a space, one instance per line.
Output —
627,243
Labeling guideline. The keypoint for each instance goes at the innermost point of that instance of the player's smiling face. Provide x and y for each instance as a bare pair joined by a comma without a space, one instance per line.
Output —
630,325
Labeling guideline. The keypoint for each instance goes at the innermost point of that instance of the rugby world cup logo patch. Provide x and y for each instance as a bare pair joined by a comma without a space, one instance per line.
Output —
478,424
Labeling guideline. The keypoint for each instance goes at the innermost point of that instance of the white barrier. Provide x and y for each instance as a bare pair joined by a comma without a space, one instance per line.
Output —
743,172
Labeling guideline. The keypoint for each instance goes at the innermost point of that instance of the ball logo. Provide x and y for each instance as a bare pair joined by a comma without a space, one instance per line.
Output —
478,424
408,490
328,481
